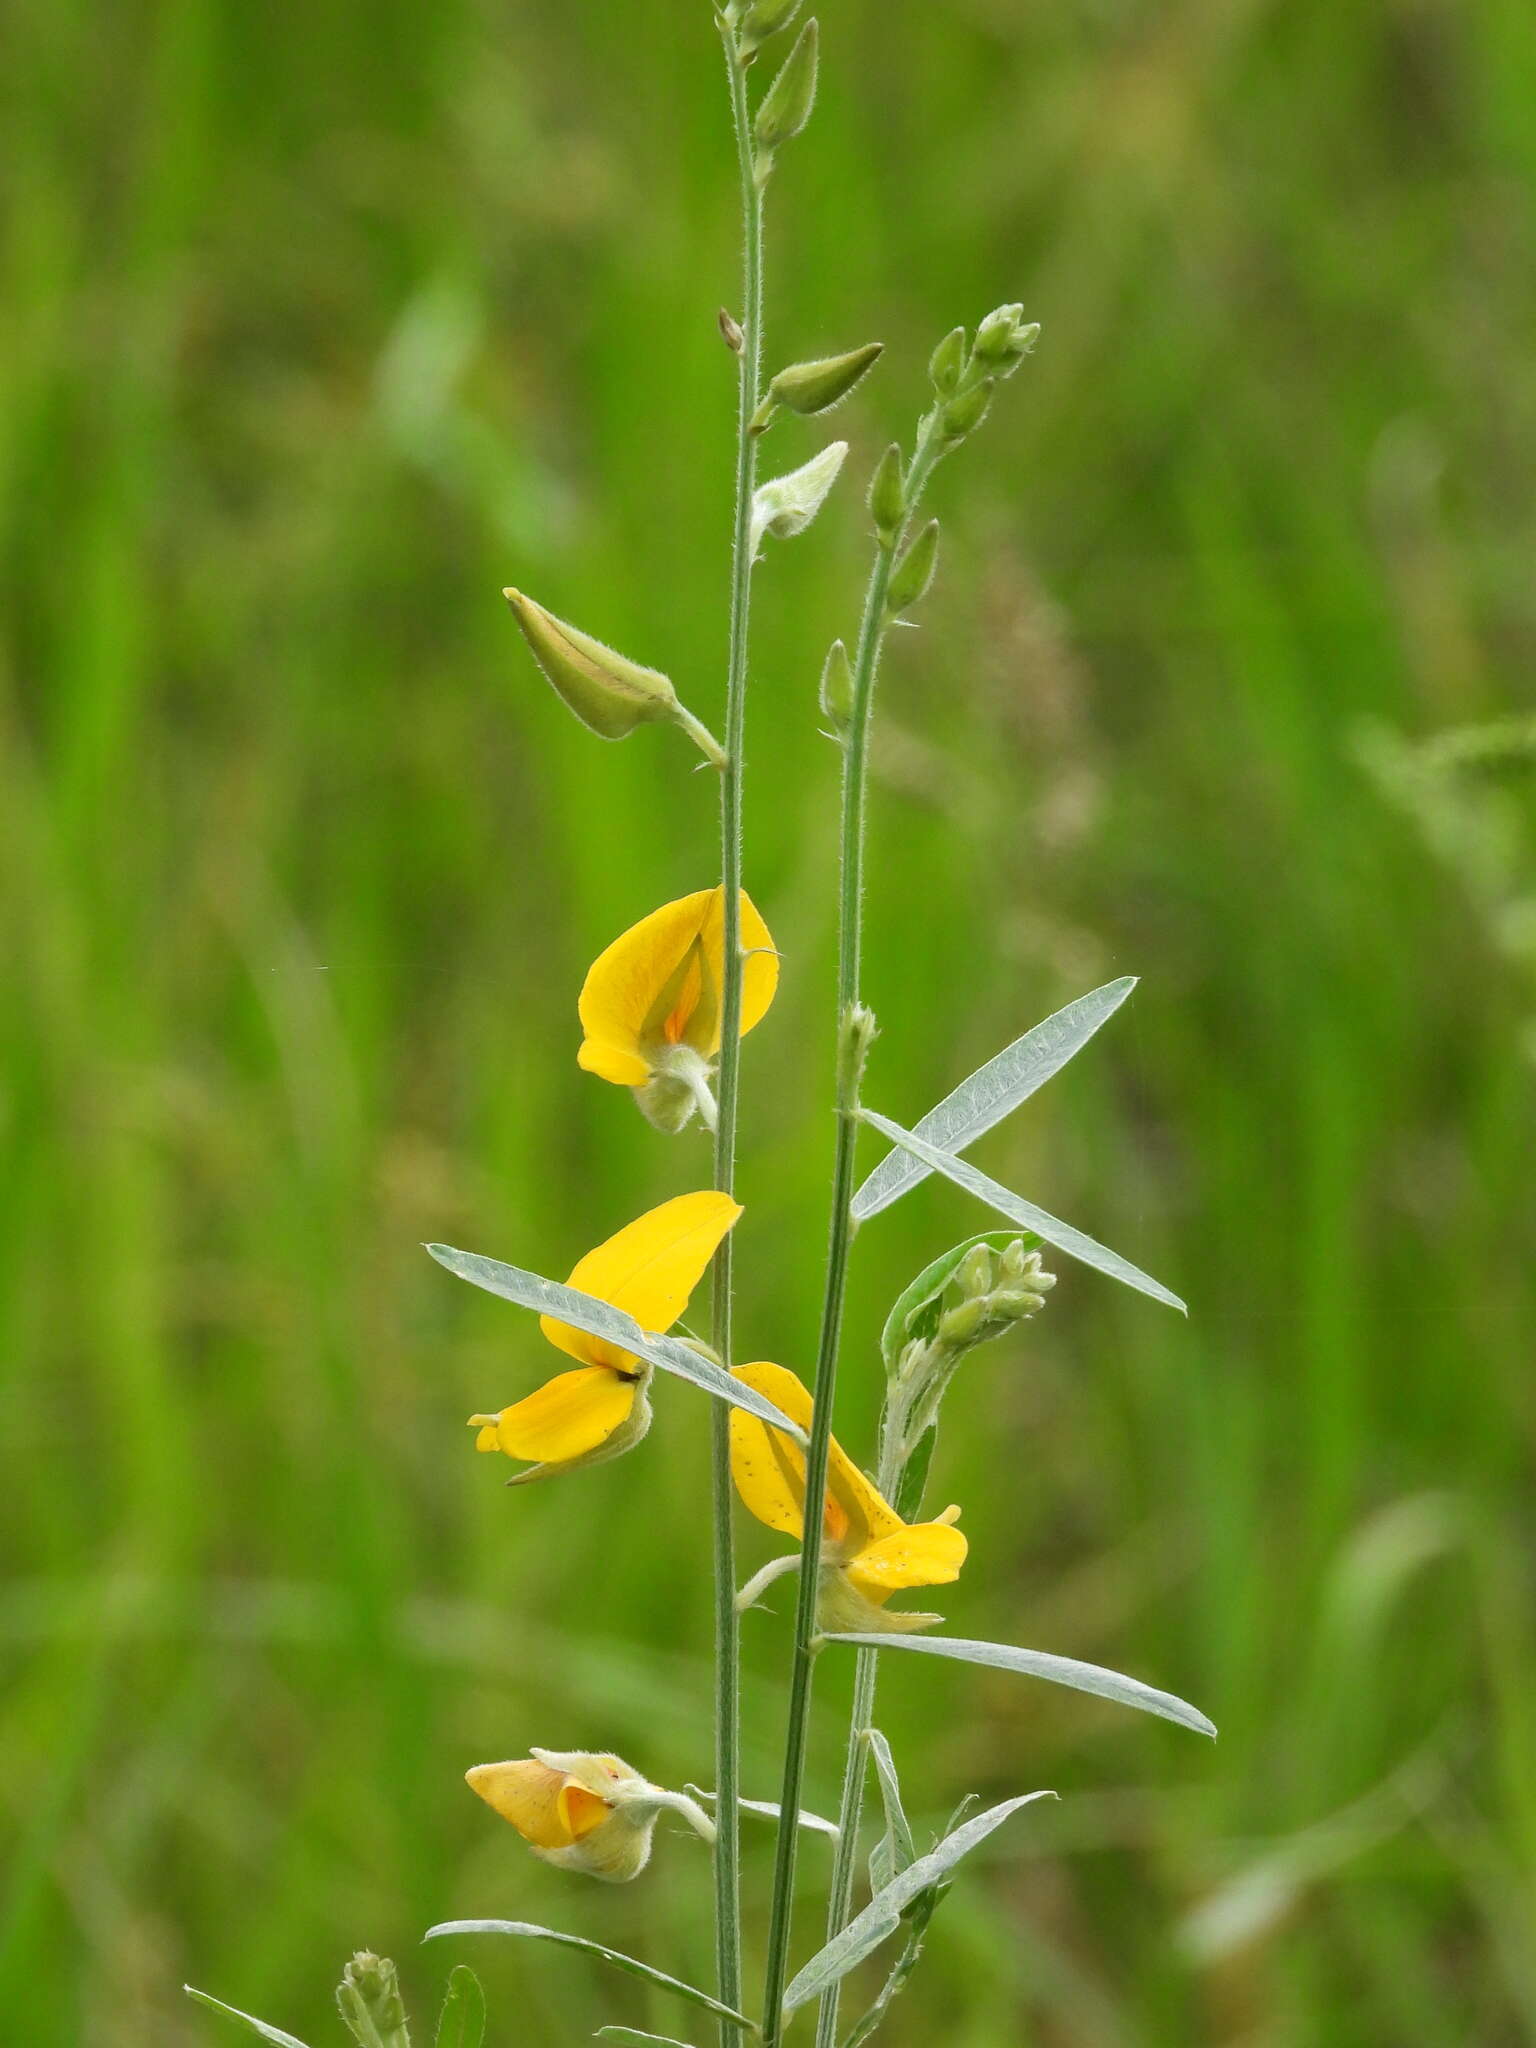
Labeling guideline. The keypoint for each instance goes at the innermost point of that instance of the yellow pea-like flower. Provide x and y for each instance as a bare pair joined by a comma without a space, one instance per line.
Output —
650,1005
582,1811
602,1408
868,1551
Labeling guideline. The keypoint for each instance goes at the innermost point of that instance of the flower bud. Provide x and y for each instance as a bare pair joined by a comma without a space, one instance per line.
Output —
888,495
730,331
973,1275
837,687
994,337
788,101
812,387
609,693
959,1325
789,503
763,19
967,409
947,362
368,1999
914,571
581,1811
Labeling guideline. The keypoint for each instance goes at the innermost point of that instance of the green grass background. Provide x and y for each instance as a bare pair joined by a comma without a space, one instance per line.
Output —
321,323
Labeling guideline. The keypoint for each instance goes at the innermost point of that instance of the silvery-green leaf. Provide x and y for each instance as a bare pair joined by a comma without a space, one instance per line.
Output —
602,1319
1109,1685
1065,1238
634,2034
594,1948
462,2021
273,2034
882,1916
895,1849
1006,1080
907,1321
769,1809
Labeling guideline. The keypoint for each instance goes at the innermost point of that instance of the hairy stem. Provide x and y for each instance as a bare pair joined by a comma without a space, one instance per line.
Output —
727,1861
851,1041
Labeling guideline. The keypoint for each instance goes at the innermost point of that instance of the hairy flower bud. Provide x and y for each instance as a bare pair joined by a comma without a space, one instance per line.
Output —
967,409
836,694
789,503
788,101
608,692
764,18
888,495
914,572
814,387
973,1275
947,362
582,1811
368,1999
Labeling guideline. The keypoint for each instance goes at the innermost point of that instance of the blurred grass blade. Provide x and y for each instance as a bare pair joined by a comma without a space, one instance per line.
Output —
895,1850
882,1916
1062,1235
273,2034
602,1319
984,1099
620,1961
1108,1685
462,2021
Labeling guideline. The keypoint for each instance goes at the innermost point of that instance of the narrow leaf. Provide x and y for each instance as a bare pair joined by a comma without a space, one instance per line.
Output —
602,1319
462,2023
594,1948
272,2034
895,1850
634,2034
1109,1685
769,1809
1073,1242
1006,1080
882,1916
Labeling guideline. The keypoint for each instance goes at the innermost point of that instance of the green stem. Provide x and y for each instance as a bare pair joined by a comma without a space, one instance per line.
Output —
872,628
727,1858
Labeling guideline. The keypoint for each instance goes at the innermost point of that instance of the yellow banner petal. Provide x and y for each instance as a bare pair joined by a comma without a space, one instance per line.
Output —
767,1469
648,1269
527,1794
641,991
571,1414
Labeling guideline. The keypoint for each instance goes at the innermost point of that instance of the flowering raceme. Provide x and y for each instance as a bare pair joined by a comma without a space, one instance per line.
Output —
650,1005
602,1409
582,1811
868,1551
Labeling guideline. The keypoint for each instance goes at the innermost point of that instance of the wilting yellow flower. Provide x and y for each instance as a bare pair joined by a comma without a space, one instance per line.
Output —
582,1811
868,1551
648,1269
650,1005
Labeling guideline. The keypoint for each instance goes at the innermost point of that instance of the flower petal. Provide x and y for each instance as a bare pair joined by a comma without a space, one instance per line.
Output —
643,991
581,1810
572,1413
926,1554
527,1794
648,1269
774,1469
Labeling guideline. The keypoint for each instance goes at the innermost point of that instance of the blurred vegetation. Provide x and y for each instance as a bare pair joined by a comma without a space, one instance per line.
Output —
322,323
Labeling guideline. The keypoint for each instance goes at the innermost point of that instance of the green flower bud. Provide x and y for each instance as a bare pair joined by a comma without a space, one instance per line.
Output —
994,337
788,101
1011,1305
730,331
967,409
947,362
888,495
1014,1261
959,1325
914,572
368,1999
813,387
763,19
836,692
789,503
610,694
973,1275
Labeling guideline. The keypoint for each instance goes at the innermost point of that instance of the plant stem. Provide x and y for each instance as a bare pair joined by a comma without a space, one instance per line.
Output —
872,628
727,1859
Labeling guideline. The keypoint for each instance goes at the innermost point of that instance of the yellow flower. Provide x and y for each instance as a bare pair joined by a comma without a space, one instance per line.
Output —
582,1811
648,1269
650,1005
868,1551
